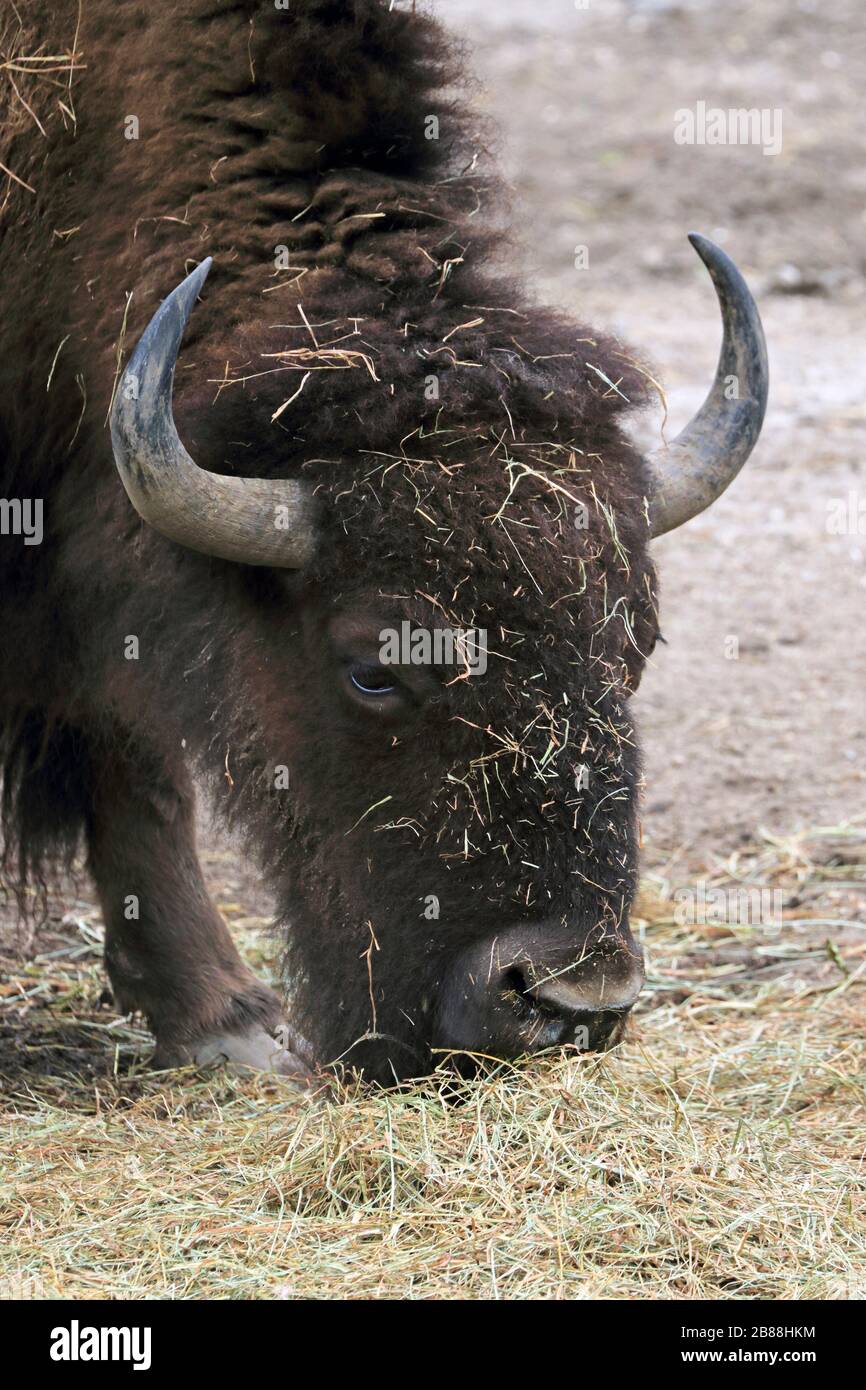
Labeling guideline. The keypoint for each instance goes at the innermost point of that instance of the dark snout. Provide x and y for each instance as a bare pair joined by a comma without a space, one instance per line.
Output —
529,988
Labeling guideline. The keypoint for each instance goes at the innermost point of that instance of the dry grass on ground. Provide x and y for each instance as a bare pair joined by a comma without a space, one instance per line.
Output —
717,1153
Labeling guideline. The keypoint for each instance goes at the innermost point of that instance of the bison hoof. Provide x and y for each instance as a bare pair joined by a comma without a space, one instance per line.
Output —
255,1049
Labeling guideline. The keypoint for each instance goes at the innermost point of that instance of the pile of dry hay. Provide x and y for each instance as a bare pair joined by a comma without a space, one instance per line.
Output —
717,1153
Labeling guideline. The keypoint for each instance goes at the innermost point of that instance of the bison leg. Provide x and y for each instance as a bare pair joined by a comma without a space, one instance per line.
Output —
167,950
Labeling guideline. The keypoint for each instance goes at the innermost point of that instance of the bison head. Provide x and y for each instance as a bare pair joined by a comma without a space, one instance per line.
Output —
452,818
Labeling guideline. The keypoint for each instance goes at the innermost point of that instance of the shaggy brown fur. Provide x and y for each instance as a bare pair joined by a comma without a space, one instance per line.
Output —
305,129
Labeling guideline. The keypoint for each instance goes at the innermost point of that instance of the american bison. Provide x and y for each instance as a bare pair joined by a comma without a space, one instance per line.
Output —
382,433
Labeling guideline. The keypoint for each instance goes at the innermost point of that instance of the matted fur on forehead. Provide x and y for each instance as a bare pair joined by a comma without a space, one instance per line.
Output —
519,540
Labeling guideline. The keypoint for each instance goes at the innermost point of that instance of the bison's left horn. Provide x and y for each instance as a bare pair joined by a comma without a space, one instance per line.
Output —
255,521
692,471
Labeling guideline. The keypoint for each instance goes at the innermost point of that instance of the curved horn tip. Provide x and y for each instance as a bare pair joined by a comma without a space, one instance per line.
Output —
689,474
187,292
716,259
198,276
225,516
161,339
701,242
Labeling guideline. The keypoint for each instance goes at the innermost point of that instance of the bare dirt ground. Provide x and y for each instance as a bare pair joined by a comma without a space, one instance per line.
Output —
586,98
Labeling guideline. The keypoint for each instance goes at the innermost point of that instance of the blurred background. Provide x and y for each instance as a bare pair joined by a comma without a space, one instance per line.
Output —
585,100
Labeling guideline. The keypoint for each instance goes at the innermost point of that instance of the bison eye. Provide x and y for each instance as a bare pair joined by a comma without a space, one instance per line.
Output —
371,680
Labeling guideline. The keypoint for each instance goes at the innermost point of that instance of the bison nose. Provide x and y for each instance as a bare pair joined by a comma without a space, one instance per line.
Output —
528,989
562,1011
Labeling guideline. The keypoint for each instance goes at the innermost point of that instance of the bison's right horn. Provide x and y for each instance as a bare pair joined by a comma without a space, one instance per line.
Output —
255,521
688,474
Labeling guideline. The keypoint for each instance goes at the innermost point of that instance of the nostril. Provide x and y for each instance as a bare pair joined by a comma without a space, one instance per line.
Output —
540,1024
528,999
515,989
549,1015
533,1004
